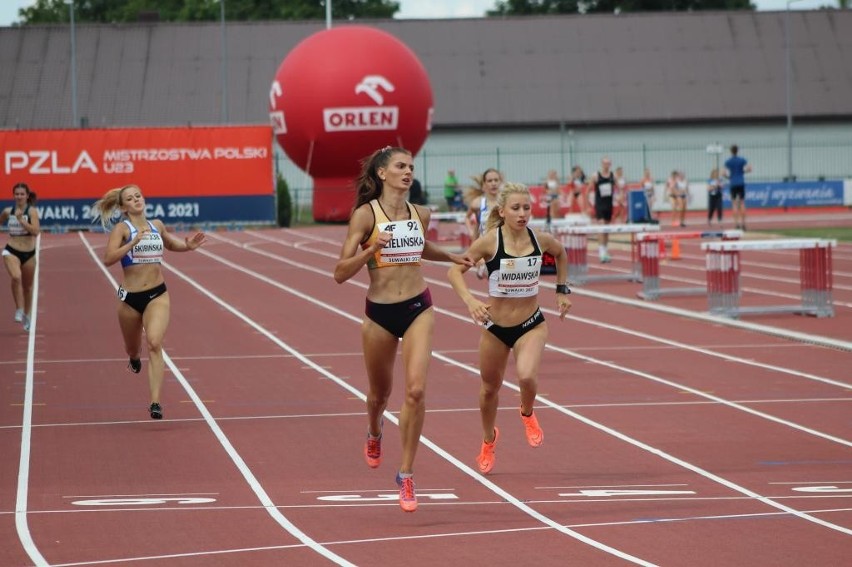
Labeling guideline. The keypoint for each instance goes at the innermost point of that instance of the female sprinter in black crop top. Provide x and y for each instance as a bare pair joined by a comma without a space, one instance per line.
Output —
19,253
143,302
386,233
511,320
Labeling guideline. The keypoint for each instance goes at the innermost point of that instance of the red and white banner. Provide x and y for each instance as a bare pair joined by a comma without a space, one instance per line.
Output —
163,162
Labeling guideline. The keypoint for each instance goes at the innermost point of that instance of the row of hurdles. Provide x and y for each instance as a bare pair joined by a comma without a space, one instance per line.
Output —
723,260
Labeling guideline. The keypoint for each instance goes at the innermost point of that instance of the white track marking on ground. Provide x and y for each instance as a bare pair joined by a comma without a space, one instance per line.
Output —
235,457
388,415
448,535
617,328
579,417
21,524
650,305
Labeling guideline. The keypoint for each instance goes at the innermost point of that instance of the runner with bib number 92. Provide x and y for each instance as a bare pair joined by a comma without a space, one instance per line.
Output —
387,234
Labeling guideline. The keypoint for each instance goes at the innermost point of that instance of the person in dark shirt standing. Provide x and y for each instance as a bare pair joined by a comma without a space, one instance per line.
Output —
735,169
602,185
415,193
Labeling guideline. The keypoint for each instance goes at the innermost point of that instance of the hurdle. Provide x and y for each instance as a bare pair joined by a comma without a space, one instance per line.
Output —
555,224
458,232
649,244
815,276
576,239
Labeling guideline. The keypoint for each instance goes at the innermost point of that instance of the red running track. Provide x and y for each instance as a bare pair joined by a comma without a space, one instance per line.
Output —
670,439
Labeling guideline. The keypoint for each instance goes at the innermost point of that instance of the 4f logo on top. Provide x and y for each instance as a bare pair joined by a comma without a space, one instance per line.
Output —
364,118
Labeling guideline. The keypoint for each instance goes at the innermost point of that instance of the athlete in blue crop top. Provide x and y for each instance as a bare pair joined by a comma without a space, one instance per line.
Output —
143,302
386,235
511,319
21,219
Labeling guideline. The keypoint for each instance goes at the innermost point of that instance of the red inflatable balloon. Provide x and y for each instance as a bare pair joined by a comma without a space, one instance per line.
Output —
341,94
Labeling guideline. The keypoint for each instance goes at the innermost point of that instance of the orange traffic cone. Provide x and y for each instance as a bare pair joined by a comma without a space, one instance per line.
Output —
676,249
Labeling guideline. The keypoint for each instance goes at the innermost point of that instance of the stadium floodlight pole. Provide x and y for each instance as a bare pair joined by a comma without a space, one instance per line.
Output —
73,64
789,85
328,14
224,64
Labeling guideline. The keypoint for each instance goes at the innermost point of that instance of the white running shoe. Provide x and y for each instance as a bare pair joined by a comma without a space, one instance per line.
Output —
19,315
26,323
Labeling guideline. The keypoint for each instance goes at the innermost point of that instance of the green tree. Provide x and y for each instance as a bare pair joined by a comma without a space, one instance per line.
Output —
284,202
109,11
534,7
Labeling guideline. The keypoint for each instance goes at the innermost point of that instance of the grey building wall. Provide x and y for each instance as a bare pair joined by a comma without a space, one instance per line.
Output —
491,72
525,94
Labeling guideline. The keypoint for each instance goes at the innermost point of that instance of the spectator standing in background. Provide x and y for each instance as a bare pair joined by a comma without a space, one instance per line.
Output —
620,199
415,193
714,197
678,192
735,169
551,187
602,186
452,193
648,188
577,202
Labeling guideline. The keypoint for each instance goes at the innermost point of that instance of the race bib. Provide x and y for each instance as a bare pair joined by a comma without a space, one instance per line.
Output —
149,250
122,293
605,189
406,244
519,276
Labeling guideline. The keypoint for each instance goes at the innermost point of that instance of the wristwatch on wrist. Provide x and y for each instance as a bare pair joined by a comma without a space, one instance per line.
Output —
563,288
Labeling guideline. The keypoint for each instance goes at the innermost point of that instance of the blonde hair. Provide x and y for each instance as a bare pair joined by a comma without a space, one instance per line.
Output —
105,207
509,188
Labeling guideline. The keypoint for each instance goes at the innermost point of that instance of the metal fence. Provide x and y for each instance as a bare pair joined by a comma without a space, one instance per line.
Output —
828,159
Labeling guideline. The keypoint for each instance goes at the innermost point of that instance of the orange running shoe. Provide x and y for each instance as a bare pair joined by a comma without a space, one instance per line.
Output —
534,433
373,449
485,459
407,498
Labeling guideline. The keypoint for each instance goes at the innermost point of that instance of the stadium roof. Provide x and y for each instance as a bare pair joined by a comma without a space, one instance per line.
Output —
493,72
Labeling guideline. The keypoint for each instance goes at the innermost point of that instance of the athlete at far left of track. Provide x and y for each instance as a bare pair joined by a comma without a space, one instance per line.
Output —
19,254
143,302
386,233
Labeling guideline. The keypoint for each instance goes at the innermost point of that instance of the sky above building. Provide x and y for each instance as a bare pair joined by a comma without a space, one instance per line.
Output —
425,9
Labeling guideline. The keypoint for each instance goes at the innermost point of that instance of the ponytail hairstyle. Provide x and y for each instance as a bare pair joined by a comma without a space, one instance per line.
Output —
509,188
368,184
104,208
31,196
478,188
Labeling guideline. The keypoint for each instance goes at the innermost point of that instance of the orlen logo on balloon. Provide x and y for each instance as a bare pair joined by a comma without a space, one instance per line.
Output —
362,118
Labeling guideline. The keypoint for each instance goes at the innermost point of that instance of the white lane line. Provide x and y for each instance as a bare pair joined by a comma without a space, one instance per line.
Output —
21,524
436,411
238,461
579,417
617,328
656,306
453,534
388,415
